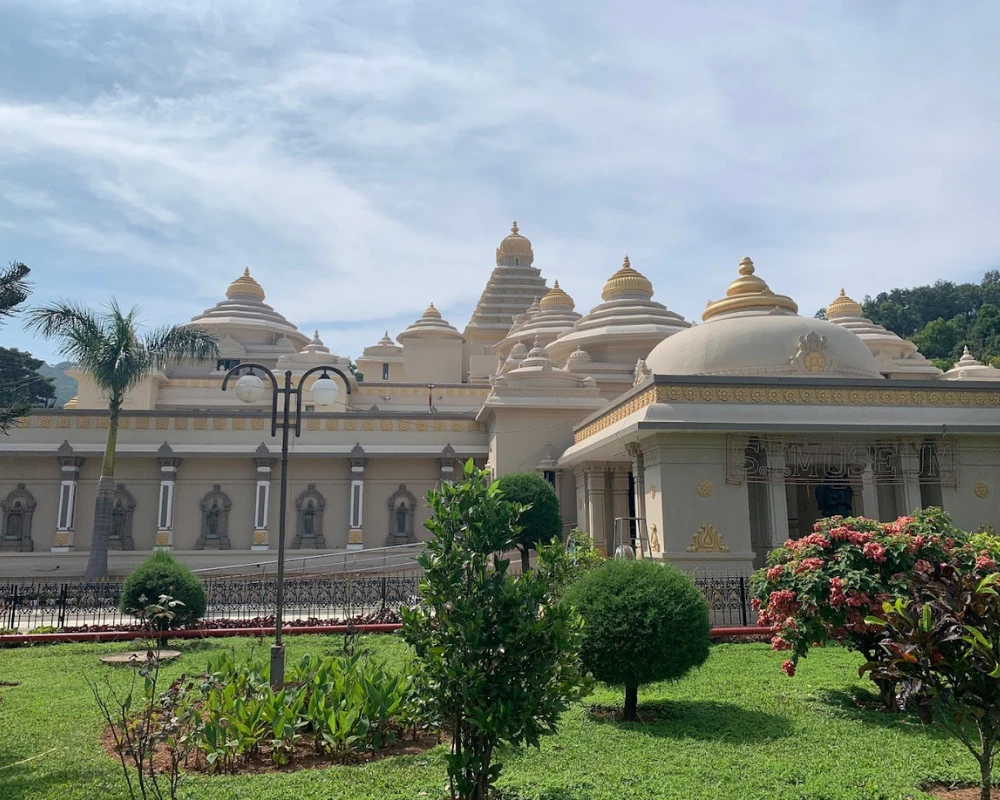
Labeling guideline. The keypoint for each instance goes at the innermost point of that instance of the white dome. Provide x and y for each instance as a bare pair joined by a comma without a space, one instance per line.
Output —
768,343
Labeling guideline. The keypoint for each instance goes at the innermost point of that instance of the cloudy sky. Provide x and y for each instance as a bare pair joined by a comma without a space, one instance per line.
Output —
365,158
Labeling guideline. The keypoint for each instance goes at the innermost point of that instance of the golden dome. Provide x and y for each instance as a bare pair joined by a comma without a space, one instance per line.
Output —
844,306
431,313
246,286
556,298
72,402
748,292
515,245
627,280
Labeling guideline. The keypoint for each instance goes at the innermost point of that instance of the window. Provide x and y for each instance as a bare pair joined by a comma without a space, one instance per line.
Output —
550,476
310,408
385,372
227,364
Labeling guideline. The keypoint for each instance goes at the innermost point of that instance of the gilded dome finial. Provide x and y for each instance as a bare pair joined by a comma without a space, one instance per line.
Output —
513,228
627,280
515,249
556,298
844,306
749,292
245,286
746,266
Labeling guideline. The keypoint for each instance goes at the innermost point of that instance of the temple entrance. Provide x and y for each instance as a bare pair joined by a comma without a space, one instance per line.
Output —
810,502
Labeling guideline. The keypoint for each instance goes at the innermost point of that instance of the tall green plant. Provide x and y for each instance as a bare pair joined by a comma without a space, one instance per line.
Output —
118,355
496,655
14,290
539,521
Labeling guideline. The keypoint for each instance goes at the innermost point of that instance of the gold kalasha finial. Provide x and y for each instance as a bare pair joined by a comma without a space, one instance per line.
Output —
513,228
746,266
626,264
627,281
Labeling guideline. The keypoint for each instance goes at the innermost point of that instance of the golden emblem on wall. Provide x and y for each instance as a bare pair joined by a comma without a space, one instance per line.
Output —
652,492
356,537
162,539
654,540
705,489
981,490
707,540
260,537
62,539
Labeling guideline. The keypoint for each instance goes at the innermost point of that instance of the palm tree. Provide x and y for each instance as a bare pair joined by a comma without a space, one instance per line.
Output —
110,347
14,290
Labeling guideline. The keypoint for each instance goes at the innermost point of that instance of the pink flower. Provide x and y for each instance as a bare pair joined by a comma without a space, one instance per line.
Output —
775,572
858,599
924,567
858,537
817,539
788,668
840,533
777,643
837,598
755,604
808,564
782,602
985,562
790,624
874,551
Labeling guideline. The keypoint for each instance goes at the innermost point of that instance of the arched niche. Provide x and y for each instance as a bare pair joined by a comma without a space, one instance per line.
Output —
214,521
122,508
309,520
402,507
17,509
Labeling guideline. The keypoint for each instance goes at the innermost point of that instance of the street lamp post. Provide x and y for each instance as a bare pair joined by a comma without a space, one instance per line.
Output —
250,389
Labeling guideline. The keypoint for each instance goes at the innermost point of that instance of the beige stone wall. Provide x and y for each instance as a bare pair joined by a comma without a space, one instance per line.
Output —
976,502
433,361
519,438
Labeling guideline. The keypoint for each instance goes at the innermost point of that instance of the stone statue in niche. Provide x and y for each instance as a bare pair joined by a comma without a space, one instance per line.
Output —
309,508
15,522
16,511
402,506
118,521
309,521
215,508
212,521
835,498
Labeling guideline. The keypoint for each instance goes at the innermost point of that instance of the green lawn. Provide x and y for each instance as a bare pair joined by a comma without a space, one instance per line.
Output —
737,728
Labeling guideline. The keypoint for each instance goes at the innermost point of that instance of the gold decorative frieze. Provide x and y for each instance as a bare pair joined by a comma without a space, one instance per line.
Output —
162,423
707,540
44,422
103,422
791,395
704,489
218,423
62,539
457,425
982,490
257,424
83,422
180,423
385,424
200,423
62,422
142,423
312,425
356,537
332,424
438,425
368,425
350,425
239,424
421,424
124,423
162,539
404,425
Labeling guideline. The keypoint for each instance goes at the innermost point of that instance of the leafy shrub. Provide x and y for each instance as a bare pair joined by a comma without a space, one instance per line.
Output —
643,622
45,629
495,654
942,648
160,575
539,521
823,586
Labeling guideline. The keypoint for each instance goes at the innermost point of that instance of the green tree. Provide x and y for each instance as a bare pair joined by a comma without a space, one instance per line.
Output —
938,339
540,520
118,355
14,290
496,656
20,382
643,621
983,337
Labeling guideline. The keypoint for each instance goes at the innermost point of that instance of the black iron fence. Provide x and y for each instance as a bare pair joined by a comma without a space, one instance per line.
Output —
27,606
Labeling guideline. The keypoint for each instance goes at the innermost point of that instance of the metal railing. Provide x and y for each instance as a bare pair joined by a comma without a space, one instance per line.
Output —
326,598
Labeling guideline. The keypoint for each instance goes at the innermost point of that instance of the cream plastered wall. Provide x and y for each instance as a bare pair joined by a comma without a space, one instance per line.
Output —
975,503
692,506
521,438
433,361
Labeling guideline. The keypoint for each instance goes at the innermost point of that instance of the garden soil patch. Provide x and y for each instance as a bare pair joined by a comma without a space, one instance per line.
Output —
955,793
303,757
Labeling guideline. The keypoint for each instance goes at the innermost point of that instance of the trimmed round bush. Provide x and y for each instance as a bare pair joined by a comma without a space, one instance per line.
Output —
159,575
644,621
541,523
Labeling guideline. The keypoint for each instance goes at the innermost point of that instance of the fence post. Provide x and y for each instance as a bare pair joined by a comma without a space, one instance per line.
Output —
63,591
13,604
384,591
743,600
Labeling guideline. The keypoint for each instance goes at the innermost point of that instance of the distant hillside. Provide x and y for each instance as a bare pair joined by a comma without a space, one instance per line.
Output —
65,385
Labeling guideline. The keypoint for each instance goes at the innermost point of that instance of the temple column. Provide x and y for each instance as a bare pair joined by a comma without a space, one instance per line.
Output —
69,466
869,491
634,449
262,498
909,456
776,497
596,483
582,502
355,535
619,501
446,465
168,464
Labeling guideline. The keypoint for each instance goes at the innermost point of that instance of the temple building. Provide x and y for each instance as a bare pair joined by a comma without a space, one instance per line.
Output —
725,436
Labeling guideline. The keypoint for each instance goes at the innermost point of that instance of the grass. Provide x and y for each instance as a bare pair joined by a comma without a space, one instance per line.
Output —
736,728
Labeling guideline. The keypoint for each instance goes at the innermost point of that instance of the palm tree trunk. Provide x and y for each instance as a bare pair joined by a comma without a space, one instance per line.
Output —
631,703
97,563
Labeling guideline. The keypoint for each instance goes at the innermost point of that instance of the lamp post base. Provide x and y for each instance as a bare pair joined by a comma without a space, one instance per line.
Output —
277,665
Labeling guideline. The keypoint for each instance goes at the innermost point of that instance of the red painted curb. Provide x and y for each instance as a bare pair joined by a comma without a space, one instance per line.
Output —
217,633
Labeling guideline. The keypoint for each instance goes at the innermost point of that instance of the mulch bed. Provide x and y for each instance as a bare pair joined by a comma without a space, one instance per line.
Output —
304,756
954,792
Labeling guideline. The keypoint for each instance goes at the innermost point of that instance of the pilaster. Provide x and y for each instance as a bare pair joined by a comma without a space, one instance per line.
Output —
355,535
69,467
776,498
168,464
262,498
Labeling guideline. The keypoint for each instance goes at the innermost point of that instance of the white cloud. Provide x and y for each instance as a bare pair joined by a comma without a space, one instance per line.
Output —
365,160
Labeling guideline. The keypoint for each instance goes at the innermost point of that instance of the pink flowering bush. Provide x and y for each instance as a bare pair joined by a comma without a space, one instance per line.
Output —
823,586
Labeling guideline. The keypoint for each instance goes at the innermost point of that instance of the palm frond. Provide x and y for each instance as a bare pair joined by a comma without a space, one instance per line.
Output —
79,330
9,416
179,343
14,288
